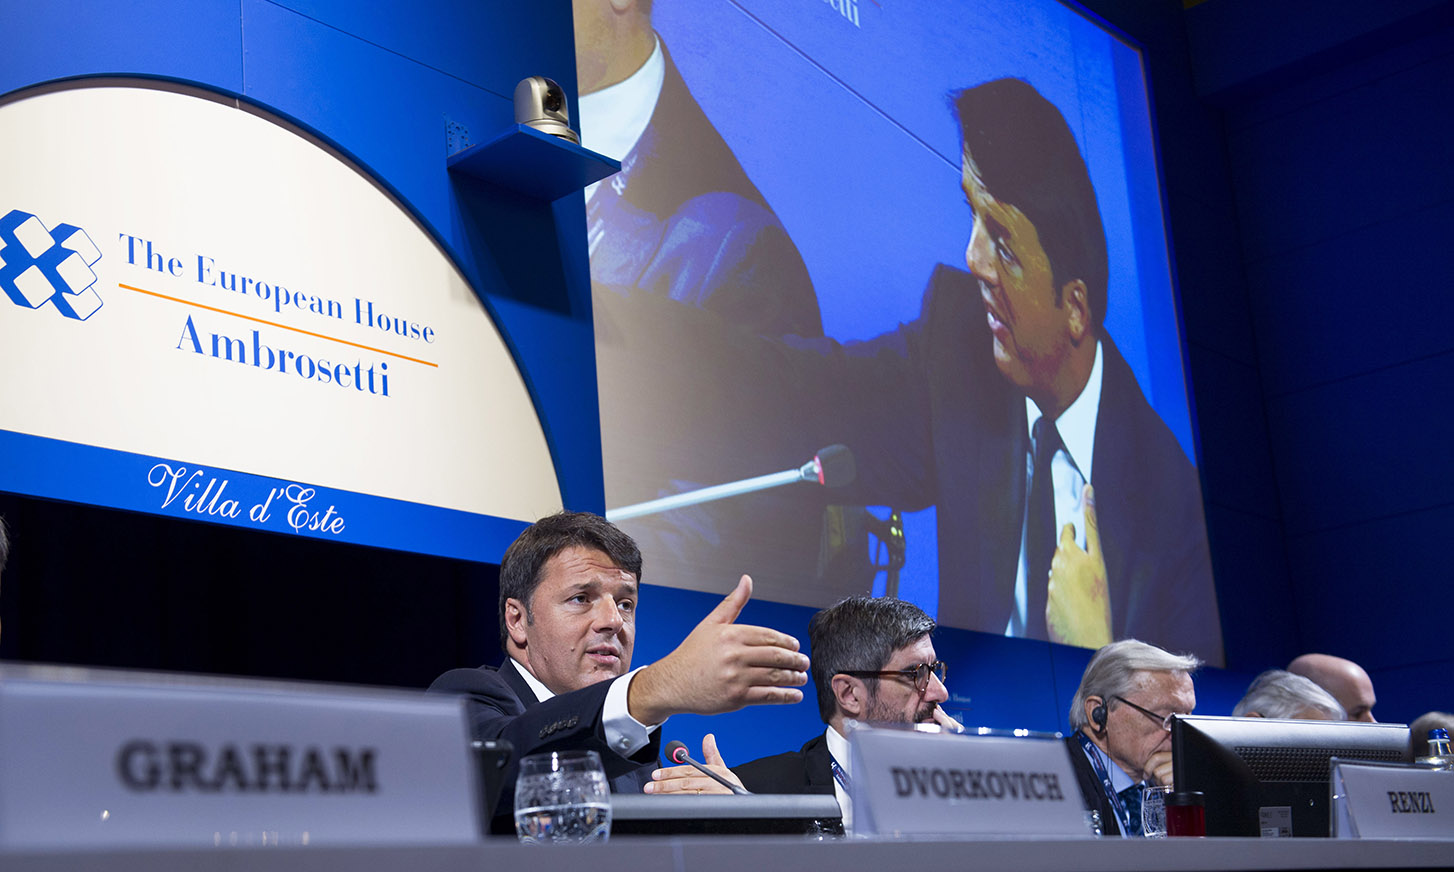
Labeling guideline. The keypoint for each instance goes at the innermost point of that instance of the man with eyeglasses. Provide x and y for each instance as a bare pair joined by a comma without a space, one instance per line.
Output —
872,660
1121,717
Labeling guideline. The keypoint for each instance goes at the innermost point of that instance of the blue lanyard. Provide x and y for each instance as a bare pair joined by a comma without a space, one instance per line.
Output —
1094,754
839,775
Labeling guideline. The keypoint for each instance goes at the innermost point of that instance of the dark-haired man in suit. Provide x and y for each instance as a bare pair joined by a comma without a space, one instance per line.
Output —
1001,406
568,592
874,661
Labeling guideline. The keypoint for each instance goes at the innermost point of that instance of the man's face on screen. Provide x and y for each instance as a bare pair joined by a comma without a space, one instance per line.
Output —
581,623
1031,329
1132,736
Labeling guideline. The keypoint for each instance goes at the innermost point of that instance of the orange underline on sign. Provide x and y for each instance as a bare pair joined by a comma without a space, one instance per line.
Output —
277,325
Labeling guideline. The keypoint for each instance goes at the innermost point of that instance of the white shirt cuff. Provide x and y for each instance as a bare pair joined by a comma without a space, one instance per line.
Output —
625,734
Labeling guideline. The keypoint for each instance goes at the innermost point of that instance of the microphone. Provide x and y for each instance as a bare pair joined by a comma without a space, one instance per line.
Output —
676,752
832,466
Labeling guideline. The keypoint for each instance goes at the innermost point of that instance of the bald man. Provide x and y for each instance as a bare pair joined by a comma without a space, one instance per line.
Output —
1344,679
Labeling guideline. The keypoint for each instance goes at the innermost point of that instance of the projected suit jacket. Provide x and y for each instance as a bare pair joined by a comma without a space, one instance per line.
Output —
682,219
959,442
683,222
932,421
501,705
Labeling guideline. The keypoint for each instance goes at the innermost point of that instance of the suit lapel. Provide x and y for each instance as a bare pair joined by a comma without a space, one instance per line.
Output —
818,763
512,676
1114,462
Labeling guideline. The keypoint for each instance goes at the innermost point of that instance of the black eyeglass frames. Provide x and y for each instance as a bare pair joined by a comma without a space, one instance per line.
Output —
918,673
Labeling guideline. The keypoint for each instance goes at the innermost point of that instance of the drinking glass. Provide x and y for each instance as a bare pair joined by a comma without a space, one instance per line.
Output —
561,798
1153,811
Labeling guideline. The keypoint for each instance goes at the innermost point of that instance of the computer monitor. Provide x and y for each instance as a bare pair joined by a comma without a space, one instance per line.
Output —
1262,776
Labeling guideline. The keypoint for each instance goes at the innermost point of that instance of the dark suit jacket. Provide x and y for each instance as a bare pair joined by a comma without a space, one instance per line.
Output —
932,421
1091,788
804,771
682,219
971,464
501,705
683,223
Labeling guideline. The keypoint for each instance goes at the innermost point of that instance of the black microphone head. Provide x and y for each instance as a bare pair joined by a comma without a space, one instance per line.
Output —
676,752
835,466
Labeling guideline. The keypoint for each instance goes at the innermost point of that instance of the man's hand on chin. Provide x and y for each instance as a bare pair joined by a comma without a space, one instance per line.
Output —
1077,601
1158,769
720,667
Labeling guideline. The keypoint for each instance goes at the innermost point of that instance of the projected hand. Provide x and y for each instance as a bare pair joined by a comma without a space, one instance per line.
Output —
1077,602
720,667
686,779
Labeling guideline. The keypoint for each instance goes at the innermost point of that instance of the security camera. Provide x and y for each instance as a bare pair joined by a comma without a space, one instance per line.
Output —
540,103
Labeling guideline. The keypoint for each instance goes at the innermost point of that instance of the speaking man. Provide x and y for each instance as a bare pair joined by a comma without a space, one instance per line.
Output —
1121,717
1280,694
569,586
873,661
1001,405
1344,679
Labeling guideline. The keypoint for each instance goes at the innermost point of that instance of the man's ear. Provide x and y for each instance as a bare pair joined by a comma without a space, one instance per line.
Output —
851,695
1076,300
1253,715
515,621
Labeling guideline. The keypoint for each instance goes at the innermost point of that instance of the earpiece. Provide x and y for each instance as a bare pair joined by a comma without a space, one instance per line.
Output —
1098,716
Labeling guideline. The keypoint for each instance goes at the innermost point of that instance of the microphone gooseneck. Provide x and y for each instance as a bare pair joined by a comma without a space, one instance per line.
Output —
676,752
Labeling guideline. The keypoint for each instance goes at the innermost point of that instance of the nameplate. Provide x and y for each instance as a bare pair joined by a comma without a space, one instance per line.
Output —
1382,802
104,759
914,783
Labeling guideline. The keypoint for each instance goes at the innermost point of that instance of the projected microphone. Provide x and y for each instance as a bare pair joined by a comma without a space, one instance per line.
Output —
831,467
676,752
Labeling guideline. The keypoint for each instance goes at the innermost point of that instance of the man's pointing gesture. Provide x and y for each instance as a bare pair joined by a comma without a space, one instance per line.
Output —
720,667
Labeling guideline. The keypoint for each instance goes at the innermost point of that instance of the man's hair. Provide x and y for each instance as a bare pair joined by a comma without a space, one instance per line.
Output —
1112,672
4,545
524,562
860,633
1028,158
1278,693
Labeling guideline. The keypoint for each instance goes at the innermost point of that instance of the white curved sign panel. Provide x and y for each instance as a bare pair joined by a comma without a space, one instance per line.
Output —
204,313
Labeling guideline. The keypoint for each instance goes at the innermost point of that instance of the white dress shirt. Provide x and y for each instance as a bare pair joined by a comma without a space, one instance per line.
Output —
613,118
1070,471
838,748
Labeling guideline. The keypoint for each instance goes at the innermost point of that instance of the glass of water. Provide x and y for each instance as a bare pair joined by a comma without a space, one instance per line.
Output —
562,797
1153,811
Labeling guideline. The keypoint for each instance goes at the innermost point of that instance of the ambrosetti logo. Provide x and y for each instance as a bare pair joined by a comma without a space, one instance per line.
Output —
39,266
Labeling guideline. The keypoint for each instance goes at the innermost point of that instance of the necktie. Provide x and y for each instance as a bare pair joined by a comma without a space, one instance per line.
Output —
1131,799
1040,532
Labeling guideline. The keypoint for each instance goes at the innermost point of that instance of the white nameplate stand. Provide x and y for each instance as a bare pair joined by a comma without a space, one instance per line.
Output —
911,783
1385,801
91,758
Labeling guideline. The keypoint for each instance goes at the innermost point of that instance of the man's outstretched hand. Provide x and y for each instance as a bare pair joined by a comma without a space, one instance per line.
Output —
720,667
1078,602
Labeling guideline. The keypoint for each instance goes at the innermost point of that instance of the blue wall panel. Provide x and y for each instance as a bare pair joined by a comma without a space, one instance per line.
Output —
193,40
476,42
1361,300
1365,448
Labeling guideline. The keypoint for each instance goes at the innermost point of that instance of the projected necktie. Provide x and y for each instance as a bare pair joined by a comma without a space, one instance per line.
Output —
1040,527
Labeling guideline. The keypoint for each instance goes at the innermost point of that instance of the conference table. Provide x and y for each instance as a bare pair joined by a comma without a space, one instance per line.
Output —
767,854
